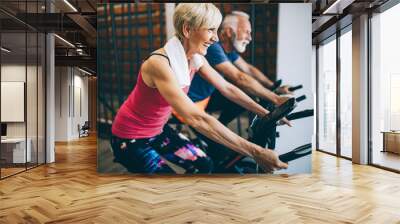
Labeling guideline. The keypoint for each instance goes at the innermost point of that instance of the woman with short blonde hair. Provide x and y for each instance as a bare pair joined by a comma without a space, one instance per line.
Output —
140,141
196,16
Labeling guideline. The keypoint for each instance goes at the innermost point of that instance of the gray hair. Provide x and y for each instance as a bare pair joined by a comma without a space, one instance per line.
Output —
231,20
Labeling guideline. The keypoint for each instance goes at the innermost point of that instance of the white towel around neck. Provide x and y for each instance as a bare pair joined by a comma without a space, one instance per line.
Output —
179,63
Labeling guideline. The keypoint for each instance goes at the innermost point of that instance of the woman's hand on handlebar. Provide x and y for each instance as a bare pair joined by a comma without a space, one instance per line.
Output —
284,121
284,90
268,160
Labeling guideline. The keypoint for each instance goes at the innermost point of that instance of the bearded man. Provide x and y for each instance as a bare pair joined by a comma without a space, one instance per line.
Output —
223,56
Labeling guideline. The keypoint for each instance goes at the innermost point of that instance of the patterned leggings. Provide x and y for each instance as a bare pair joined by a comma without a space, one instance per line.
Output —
169,152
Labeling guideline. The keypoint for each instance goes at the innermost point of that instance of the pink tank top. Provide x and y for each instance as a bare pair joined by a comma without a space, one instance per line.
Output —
144,113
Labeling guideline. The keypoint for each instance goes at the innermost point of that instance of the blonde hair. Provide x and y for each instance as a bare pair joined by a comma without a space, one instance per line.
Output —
232,20
195,15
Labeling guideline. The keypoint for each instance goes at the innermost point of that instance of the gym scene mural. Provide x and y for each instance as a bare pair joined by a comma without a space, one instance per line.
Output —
204,88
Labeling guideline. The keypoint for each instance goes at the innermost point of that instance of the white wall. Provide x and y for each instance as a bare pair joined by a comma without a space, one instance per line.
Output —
14,72
61,103
169,12
13,101
80,84
70,83
34,124
294,68
314,91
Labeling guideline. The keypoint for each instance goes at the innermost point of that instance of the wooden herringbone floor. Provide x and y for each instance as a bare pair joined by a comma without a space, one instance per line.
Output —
70,191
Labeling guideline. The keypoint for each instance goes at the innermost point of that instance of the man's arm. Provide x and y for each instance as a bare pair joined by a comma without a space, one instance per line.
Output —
157,71
248,83
254,72
259,76
230,91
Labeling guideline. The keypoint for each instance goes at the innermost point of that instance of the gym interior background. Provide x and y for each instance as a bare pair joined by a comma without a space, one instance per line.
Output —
355,85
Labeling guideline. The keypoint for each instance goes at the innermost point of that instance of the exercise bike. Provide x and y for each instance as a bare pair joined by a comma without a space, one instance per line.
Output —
228,115
262,132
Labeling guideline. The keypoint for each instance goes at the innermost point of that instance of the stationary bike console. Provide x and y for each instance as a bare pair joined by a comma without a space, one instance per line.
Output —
261,126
